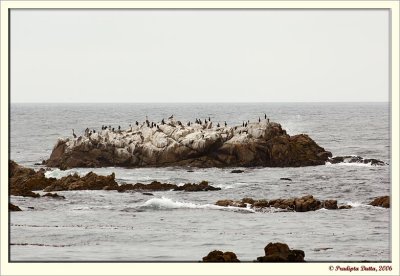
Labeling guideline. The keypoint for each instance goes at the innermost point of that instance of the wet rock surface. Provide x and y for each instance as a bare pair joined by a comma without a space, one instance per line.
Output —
262,143
217,256
280,252
158,186
300,204
355,159
382,201
13,208
274,252
55,195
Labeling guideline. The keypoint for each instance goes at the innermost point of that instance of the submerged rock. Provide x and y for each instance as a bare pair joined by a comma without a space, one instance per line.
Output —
237,171
172,144
285,178
355,159
280,252
219,256
55,195
382,201
13,208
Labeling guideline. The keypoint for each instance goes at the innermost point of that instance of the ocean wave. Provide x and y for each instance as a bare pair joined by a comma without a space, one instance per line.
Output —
328,164
165,203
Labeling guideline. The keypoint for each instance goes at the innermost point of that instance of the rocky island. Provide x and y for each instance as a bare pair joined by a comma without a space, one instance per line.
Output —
200,144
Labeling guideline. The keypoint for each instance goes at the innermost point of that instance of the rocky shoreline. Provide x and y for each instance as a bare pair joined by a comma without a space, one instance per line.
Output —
172,143
24,181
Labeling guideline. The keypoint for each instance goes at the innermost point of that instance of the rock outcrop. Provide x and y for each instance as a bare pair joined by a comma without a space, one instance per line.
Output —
91,181
24,180
158,186
382,201
217,256
280,252
199,145
300,204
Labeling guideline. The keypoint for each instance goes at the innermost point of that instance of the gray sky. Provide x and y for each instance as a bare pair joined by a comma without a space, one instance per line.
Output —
199,55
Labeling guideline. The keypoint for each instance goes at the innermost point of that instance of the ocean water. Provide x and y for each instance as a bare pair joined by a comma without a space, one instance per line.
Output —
182,226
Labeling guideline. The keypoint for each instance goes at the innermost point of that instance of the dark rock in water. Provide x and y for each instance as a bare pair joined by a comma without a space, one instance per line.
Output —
55,195
149,194
219,256
280,252
32,208
237,171
355,159
330,204
382,201
285,178
91,181
299,204
37,164
202,186
190,171
345,207
157,186
258,144
13,208
24,180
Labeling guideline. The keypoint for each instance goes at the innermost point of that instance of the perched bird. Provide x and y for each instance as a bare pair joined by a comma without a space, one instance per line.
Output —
209,119
259,120
171,117
218,125
188,124
94,131
225,124
243,124
73,133
265,116
162,121
119,127
137,123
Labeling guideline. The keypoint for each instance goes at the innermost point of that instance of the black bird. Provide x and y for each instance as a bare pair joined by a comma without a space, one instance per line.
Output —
205,121
109,126
243,124
218,125
158,127
102,127
259,120
265,116
188,124
162,121
200,122
94,131
73,133
137,123
226,123
209,119
112,129
119,127
268,120
171,117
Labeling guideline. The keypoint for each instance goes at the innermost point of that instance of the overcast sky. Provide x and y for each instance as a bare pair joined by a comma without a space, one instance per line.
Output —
199,55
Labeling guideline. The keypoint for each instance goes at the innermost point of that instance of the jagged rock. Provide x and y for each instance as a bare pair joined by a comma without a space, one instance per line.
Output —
219,256
382,201
91,181
237,171
300,204
24,180
202,186
355,159
280,252
55,195
158,186
258,144
13,208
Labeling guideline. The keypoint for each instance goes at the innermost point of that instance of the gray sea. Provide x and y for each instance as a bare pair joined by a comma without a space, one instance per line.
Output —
182,226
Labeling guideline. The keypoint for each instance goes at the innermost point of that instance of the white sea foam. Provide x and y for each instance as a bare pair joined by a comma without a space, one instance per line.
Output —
167,203
350,164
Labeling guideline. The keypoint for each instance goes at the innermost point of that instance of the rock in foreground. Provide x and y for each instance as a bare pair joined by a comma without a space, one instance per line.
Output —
382,201
280,252
13,208
200,145
217,256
